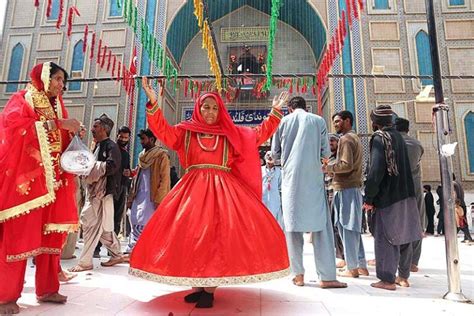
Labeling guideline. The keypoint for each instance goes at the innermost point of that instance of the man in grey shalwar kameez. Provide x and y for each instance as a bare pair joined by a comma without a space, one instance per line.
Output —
390,196
301,142
415,152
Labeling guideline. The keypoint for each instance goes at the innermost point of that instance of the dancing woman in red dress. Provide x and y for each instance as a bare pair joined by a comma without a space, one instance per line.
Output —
212,229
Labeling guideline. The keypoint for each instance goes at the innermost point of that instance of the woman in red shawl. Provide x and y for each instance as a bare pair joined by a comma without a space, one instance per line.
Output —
212,229
37,205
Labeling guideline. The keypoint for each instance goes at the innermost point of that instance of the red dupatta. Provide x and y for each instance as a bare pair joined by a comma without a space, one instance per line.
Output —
243,140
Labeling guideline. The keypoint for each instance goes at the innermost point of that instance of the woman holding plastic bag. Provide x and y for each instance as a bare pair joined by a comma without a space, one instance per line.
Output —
37,205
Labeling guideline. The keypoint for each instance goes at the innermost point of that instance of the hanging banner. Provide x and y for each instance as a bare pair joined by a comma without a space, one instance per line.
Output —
244,34
243,117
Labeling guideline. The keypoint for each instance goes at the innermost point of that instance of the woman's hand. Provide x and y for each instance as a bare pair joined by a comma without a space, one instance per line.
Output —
150,93
280,100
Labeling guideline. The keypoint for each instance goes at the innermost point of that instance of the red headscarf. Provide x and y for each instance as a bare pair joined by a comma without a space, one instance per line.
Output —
243,140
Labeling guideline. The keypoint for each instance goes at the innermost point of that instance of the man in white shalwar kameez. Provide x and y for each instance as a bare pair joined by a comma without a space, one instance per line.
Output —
301,142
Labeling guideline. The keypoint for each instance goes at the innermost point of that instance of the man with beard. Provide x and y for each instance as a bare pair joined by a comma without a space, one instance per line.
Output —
390,196
97,216
150,185
123,137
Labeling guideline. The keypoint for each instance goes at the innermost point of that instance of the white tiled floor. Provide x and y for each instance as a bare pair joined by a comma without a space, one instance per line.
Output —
110,291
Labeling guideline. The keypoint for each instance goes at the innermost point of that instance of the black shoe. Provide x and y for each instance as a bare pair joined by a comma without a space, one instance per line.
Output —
193,297
96,254
206,300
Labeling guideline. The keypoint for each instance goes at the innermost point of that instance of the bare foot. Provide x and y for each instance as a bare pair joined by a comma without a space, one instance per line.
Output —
113,261
340,264
80,268
363,271
413,268
9,308
332,284
371,262
66,276
298,280
52,298
354,273
384,286
402,282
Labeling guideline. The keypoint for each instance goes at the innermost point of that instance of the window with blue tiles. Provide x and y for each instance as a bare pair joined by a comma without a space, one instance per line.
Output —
425,67
456,2
381,5
14,70
77,65
469,126
54,11
114,9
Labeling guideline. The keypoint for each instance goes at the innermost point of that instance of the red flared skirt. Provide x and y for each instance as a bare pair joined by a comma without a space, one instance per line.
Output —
210,230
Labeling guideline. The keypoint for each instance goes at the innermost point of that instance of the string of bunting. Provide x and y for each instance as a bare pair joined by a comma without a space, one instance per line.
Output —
208,42
336,44
271,40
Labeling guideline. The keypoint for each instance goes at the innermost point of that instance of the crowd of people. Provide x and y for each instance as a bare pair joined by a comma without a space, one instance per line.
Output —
228,220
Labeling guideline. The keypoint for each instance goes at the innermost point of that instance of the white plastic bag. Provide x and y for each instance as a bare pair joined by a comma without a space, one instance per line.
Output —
77,159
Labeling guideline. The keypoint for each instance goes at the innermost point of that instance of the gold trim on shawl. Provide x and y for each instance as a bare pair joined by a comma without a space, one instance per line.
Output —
187,142
45,75
207,166
60,228
153,109
225,155
209,282
33,253
45,199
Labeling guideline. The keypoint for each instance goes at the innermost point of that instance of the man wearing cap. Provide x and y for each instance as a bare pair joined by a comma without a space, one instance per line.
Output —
390,195
415,152
97,216
271,187
150,185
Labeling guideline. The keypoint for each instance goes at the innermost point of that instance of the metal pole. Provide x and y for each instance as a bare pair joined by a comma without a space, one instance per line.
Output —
440,110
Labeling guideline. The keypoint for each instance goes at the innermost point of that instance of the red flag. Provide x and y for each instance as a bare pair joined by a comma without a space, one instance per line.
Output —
84,42
99,51
102,62
349,12
60,16
72,11
186,85
109,60
37,3
119,68
335,40
113,66
355,9
344,27
48,8
133,62
92,46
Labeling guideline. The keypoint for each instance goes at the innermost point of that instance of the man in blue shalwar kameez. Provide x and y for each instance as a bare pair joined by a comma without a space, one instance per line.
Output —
149,186
301,142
